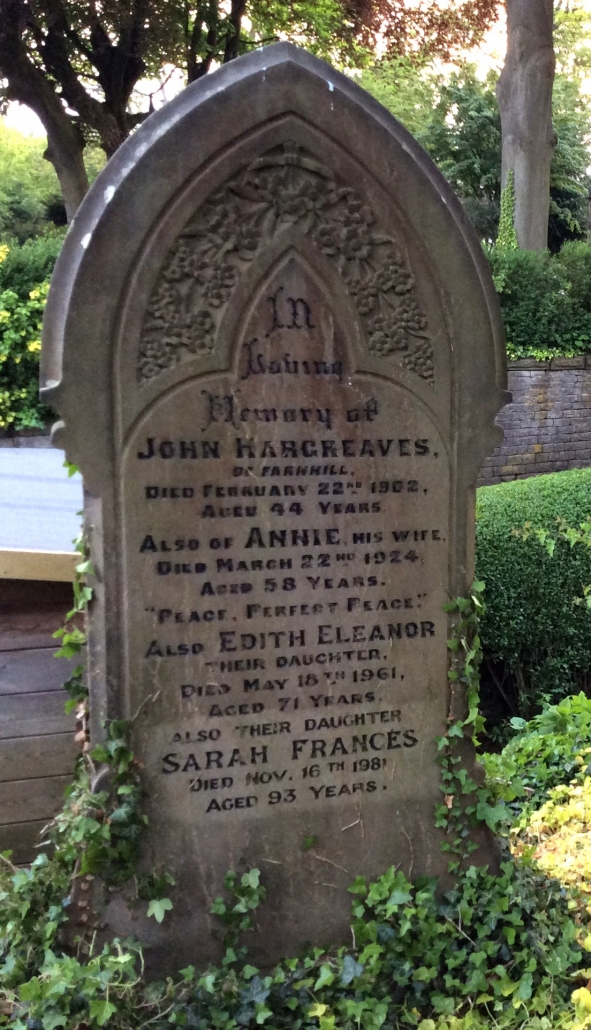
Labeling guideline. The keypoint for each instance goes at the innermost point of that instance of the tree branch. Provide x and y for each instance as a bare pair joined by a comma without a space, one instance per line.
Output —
233,34
30,85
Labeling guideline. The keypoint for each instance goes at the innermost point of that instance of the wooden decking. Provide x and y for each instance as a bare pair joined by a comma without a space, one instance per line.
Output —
37,748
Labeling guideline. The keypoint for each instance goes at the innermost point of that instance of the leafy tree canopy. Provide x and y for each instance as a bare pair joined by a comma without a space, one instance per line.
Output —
456,119
77,64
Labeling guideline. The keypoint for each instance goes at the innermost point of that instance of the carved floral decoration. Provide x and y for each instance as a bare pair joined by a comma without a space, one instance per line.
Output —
285,188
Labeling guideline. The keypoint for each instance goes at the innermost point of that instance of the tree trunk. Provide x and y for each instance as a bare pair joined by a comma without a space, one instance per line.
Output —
28,84
68,161
524,94
65,144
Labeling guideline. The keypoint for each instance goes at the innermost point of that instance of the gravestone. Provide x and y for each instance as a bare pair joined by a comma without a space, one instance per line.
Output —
276,348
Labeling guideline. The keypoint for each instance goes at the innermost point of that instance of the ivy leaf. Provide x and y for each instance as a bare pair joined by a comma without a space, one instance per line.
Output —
325,978
400,896
100,1009
350,970
317,1009
251,878
524,991
582,1001
255,993
262,1013
51,1020
158,907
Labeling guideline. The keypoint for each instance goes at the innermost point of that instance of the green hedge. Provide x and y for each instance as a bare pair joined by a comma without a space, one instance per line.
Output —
545,300
29,264
536,638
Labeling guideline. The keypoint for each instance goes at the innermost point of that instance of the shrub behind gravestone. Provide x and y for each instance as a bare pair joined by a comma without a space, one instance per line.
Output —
575,258
536,638
27,265
24,275
542,315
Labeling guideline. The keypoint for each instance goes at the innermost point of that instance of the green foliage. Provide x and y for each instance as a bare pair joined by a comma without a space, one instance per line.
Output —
491,946
29,187
535,636
572,38
463,804
463,137
95,832
247,893
318,25
545,301
20,346
543,775
23,292
543,753
31,202
28,265
571,118
72,637
575,259
507,237
491,940
406,89
456,118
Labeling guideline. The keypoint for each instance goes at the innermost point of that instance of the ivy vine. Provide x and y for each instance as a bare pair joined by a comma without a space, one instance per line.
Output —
466,802
497,948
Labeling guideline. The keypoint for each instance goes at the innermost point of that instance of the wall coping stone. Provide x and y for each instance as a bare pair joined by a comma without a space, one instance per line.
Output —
552,365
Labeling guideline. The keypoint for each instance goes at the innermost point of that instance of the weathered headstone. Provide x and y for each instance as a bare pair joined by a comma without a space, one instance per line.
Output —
277,351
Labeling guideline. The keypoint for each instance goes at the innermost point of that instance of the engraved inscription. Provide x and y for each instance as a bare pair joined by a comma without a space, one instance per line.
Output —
293,543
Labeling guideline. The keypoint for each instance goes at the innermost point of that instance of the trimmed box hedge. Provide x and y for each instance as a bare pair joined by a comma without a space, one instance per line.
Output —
536,637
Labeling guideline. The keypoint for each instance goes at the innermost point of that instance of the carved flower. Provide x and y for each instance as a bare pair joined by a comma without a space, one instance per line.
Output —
291,206
386,335
165,306
294,201
266,186
357,240
194,336
363,292
420,360
328,238
220,219
181,264
219,284
200,338
157,354
393,275
318,192
246,242
216,204
409,315
204,265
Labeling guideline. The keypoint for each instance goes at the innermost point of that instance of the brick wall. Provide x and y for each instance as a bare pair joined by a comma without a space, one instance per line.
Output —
548,424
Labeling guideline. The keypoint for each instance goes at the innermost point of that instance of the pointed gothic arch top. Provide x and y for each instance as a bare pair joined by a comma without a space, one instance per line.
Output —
273,129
